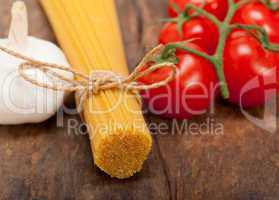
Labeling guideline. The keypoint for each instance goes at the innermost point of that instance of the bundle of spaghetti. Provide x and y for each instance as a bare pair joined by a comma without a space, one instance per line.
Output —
89,34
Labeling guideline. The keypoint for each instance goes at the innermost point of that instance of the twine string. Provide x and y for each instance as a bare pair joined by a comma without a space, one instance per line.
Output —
99,80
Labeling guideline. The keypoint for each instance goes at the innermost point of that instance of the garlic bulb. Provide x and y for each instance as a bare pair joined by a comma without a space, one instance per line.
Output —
20,101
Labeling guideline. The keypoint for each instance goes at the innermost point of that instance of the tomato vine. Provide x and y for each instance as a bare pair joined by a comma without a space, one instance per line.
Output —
225,28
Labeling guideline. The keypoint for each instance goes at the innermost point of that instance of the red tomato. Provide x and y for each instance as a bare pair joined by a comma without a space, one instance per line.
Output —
202,30
259,14
276,14
216,7
250,70
191,93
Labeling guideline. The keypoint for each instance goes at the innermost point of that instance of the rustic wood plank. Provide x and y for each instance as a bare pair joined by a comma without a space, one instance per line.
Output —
241,164
44,161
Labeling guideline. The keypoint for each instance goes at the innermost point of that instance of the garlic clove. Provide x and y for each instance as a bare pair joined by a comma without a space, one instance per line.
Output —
20,101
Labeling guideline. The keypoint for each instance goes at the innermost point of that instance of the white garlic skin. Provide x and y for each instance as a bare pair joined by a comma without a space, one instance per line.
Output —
20,101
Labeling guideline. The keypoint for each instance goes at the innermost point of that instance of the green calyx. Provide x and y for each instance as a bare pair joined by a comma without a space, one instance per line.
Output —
168,55
225,27
181,19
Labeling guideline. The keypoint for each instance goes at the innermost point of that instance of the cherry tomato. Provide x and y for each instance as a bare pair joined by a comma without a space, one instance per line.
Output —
203,31
191,93
250,70
216,7
258,14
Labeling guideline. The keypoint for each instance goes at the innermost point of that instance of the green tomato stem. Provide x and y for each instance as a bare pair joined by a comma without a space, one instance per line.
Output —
215,61
175,7
204,13
260,34
224,31
171,20
218,57
188,49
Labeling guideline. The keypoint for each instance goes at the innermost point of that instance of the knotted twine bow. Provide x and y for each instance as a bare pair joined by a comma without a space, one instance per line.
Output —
97,81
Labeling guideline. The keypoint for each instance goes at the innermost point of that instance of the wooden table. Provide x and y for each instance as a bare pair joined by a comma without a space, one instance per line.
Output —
44,161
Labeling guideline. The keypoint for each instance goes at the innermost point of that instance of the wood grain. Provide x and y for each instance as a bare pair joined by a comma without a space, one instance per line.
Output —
44,161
